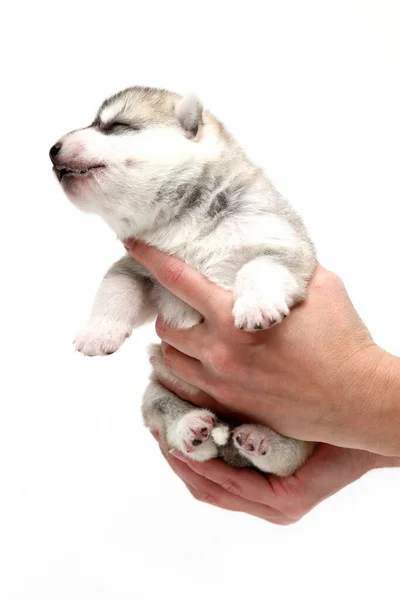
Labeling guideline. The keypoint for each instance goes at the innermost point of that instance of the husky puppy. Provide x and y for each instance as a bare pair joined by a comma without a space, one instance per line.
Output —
158,167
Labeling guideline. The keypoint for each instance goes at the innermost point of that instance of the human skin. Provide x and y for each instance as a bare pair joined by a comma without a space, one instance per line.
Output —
279,500
317,376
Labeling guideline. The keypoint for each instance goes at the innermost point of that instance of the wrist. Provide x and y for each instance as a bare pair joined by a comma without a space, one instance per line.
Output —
385,462
377,387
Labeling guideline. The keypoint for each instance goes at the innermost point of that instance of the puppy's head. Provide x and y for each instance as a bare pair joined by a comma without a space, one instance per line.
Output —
142,141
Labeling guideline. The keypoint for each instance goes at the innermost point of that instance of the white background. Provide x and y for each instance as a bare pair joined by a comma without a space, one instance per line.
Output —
88,508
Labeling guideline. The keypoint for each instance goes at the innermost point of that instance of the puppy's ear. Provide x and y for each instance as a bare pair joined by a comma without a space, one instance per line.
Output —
189,111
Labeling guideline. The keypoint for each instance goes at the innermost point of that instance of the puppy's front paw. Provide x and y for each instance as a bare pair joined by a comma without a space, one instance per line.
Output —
102,339
253,311
192,435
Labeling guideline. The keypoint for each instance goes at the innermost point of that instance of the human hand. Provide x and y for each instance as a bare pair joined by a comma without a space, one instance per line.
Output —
317,376
282,501
279,500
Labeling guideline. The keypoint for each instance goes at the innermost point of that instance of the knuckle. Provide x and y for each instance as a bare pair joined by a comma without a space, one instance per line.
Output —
167,355
171,274
294,514
286,521
296,509
203,496
231,486
167,350
299,500
226,319
221,360
161,328
333,280
327,280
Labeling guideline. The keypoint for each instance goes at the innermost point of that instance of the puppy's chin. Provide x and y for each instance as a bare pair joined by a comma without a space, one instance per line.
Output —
80,195
83,190
74,188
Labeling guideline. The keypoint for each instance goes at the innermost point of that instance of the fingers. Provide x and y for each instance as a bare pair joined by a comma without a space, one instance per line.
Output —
181,279
259,510
215,482
250,485
186,368
194,395
245,483
209,492
278,500
329,469
189,341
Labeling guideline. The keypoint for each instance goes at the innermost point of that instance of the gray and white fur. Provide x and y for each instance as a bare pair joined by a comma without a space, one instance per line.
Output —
160,168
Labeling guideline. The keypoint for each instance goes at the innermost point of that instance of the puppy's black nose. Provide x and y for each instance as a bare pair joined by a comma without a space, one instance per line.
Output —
54,150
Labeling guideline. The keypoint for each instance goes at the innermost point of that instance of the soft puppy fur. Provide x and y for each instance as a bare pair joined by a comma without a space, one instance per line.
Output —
158,167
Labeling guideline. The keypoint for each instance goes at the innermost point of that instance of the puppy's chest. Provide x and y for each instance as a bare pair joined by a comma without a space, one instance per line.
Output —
219,267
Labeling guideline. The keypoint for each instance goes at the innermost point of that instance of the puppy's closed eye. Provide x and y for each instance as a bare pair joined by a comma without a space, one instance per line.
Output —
118,127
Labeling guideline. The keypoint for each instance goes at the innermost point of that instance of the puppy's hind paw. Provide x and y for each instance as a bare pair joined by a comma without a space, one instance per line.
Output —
251,440
192,435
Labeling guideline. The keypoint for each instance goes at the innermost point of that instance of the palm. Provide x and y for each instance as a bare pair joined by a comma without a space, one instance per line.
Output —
278,500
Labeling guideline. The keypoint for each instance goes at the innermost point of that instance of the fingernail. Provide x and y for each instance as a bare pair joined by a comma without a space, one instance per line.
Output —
160,327
155,434
129,244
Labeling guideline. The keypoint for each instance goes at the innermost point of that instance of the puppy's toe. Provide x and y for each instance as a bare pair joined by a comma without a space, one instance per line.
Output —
102,341
254,313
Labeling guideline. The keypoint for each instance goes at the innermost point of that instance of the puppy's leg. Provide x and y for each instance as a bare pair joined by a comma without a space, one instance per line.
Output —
181,426
121,303
156,359
249,445
173,310
195,432
264,291
269,451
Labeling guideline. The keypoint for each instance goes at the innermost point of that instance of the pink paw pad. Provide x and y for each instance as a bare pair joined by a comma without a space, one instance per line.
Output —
251,439
199,429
